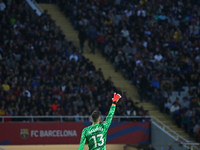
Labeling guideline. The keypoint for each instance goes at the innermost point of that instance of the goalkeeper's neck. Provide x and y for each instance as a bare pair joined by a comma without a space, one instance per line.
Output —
95,123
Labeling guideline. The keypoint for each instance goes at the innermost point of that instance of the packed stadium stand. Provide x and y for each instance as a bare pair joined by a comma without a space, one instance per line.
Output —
155,44
43,73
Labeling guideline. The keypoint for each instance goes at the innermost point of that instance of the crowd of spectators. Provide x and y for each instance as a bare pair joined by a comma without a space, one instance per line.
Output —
155,44
43,74
185,112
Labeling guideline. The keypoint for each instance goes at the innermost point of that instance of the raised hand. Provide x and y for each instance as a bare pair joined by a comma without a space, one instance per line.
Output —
116,97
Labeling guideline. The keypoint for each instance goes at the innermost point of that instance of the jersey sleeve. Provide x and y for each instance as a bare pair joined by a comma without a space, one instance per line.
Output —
110,116
82,141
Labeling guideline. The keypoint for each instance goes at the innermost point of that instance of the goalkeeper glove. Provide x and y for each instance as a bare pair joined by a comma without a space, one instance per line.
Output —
116,98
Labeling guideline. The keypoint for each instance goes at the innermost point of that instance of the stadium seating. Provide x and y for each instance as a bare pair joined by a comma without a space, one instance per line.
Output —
155,44
42,73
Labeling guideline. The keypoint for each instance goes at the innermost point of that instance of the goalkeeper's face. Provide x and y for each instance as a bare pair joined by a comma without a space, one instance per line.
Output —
96,116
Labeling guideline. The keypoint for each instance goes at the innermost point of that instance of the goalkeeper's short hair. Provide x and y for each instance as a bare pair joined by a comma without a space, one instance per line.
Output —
95,116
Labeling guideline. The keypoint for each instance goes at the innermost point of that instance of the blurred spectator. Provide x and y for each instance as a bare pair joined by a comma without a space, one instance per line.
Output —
2,112
158,57
82,38
196,131
125,33
55,106
119,59
174,108
2,5
185,104
108,50
73,57
92,37
6,86
7,118
167,106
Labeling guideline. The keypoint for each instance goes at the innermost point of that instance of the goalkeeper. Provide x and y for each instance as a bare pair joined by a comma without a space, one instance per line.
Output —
95,135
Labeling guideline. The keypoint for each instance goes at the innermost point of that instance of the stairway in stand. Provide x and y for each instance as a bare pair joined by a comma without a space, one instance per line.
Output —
107,68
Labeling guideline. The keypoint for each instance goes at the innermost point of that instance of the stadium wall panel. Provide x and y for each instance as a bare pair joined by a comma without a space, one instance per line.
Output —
70,133
161,140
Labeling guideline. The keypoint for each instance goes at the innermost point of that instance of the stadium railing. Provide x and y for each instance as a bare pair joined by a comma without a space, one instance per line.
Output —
34,5
62,118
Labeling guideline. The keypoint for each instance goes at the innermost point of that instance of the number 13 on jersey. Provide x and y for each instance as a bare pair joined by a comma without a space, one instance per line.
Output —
97,142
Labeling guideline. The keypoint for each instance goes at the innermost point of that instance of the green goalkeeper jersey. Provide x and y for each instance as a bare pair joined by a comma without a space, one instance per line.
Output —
95,135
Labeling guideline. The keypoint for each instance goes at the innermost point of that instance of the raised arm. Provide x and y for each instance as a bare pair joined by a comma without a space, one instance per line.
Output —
112,109
82,141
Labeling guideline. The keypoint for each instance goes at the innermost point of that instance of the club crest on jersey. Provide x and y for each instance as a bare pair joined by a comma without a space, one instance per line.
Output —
24,133
96,129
